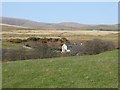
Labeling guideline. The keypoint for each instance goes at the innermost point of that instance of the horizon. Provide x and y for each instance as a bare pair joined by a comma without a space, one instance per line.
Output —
80,12
55,23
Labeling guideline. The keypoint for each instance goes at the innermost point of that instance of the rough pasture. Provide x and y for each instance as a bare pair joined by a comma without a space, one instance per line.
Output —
57,33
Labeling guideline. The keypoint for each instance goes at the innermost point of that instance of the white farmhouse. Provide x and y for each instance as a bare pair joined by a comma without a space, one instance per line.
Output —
64,48
73,48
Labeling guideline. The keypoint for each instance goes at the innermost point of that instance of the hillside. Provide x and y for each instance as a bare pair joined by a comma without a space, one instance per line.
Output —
55,26
97,71
6,27
20,22
31,24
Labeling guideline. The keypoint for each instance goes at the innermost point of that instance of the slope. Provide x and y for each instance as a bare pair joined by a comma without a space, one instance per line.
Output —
97,71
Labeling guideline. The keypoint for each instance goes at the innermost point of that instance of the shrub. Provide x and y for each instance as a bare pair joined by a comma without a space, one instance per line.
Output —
64,39
65,54
33,39
97,46
50,39
44,40
15,40
12,54
56,40
43,50
40,50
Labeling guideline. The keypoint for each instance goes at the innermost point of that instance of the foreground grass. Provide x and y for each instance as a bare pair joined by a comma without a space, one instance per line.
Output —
96,71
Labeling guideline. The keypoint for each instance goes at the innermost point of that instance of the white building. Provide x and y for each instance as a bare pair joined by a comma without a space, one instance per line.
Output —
72,48
64,48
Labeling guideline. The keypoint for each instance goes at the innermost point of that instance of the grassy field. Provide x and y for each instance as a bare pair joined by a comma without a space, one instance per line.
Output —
96,71
70,34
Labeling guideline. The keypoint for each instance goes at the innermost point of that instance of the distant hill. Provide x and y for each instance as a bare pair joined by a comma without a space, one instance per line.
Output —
6,27
21,22
55,26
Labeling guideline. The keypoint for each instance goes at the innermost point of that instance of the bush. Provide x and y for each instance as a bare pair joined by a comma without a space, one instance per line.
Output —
50,39
39,51
64,39
33,39
13,54
15,40
97,46
65,54
43,50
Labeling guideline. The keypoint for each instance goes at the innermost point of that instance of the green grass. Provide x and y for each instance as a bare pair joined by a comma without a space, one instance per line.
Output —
9,45
96,71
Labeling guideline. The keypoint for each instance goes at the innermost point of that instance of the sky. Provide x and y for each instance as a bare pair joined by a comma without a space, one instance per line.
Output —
57,12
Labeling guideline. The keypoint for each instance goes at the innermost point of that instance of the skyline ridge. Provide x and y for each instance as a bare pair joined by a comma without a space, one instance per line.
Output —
54,22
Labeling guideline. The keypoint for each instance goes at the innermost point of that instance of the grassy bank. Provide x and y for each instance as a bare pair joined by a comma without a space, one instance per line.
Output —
96,71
